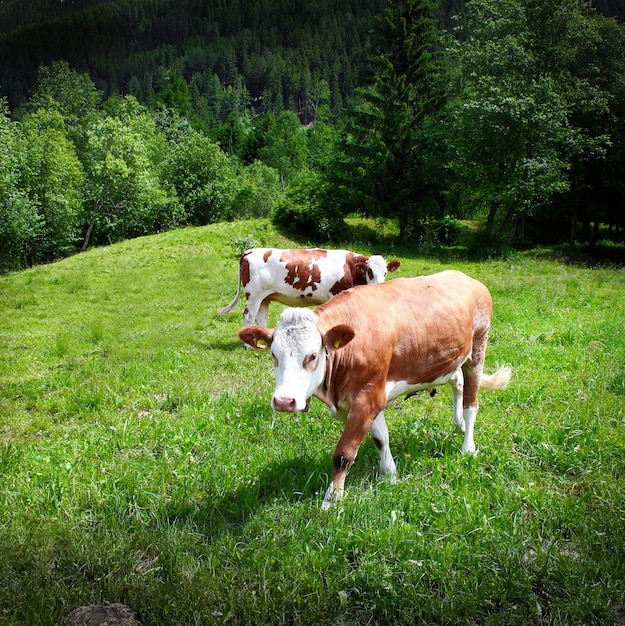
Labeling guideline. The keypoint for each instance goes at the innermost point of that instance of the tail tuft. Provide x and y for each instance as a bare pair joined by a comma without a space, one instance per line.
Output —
228,308
497,380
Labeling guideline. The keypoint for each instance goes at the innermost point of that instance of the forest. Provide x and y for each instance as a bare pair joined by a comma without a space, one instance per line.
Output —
122,118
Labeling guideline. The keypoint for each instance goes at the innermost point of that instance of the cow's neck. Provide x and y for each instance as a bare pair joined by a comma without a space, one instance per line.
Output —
323,392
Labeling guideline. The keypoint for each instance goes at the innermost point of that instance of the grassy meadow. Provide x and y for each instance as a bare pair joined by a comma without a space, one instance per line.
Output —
140,461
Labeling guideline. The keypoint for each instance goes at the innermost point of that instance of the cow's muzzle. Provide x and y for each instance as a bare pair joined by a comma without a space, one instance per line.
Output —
288,405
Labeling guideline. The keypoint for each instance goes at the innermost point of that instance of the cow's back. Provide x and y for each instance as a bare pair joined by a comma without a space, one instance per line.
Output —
413,329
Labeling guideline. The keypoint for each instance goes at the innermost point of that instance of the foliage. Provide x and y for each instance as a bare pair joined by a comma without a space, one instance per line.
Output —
273,51
429,234
310,209
242,244
53,176
285,148
385,144
19,221
229,107
40,190
525,83
141,462
258,192
123,194
71,93
174,94
203,178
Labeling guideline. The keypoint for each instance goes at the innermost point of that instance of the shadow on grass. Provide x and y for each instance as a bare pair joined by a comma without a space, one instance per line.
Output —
470,244
299,479
226,345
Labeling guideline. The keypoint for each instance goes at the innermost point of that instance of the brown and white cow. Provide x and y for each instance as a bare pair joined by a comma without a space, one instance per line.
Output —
301,277
369,345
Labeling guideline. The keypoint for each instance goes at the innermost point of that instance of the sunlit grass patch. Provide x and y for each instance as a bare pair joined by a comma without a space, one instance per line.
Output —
140,461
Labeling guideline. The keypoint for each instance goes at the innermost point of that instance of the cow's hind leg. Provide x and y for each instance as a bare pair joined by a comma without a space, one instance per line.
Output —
379,432
472,370
470,404
250,313
256,311
263,313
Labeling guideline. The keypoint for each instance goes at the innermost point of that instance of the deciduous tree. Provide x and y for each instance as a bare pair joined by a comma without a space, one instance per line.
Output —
203,178
123,194
525,76
51,175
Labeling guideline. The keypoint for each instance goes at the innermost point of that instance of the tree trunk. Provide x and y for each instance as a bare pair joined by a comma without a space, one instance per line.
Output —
490,220
507,222
97,207
518,229
403,229
594,233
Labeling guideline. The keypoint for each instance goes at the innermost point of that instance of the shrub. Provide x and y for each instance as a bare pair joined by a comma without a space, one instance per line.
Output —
310,208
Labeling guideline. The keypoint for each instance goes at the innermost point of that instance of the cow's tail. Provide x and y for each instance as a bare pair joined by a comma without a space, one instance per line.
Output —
231,306
497,380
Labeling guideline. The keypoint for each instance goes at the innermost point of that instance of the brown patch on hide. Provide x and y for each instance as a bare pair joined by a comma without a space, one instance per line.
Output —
302,268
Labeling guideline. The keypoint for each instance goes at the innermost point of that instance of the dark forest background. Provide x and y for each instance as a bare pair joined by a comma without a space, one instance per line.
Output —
123,117
271,46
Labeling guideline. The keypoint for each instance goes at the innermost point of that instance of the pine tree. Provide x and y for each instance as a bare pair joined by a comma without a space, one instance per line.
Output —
385,144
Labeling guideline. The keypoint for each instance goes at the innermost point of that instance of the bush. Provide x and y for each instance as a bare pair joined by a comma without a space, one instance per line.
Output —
311,209
257,194
434,233
203,178
486,245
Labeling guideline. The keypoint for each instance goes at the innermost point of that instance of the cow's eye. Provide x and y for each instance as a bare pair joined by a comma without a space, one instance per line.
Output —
275,360
310,360
370,273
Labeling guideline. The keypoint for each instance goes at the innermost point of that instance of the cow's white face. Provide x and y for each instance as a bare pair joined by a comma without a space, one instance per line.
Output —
299,353
299,360
376,269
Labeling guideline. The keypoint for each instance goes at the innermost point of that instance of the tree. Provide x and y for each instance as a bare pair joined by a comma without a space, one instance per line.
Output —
69,92
524,79
597,190
310,208
123,193
285,149
52,177
257,192
58,86
174,93
322,134
203,178
385,143
20,223
257,137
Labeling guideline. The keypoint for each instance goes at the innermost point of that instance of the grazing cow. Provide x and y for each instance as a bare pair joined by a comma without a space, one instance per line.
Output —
301,277
367,346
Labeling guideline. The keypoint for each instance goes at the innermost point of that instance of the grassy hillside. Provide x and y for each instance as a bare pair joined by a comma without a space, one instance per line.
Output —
140,461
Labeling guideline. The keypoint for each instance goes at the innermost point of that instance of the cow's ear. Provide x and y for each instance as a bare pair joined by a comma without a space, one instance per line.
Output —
338,336
361,267
391,266
256,337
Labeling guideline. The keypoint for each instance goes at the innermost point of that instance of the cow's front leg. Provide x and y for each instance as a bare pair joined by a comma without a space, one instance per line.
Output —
356,428
379,432
456,382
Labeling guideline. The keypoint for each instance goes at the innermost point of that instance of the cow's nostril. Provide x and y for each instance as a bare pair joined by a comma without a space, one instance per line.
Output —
284,404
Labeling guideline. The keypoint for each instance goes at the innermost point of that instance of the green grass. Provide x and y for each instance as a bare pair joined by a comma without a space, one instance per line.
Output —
140,461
